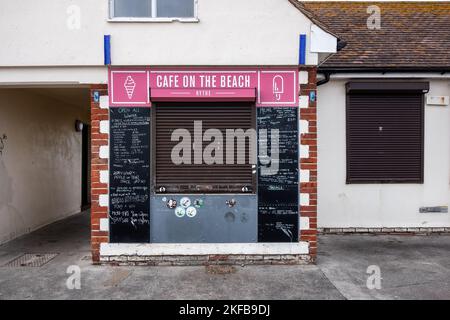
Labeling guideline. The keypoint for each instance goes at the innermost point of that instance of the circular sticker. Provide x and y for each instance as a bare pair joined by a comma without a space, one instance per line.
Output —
185,202
191,212
171,203
180,212
198,203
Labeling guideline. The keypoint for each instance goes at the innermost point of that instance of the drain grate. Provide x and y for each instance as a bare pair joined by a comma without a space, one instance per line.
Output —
31,260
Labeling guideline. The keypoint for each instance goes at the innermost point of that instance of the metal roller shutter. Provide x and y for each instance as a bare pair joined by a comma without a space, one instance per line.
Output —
385,137
198,178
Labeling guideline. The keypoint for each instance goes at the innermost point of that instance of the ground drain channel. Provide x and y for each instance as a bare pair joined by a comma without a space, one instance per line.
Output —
31,260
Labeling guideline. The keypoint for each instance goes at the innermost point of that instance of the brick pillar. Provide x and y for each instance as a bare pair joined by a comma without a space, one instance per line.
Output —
98,166
308,158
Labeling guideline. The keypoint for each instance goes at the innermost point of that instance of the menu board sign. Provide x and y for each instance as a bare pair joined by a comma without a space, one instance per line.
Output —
129,182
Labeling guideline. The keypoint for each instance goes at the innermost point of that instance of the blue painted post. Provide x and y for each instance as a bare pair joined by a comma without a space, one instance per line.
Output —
107,49
302,50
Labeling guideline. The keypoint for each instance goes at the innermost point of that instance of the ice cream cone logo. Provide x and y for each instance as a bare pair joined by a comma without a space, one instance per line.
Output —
129,86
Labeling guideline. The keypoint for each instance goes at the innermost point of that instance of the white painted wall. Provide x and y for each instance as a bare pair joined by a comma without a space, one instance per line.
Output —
380,205
232,32
40,166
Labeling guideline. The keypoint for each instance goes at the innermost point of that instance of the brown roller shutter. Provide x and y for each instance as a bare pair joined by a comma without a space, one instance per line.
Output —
385,137
198,178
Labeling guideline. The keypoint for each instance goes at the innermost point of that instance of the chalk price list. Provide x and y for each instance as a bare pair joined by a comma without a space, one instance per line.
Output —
129,174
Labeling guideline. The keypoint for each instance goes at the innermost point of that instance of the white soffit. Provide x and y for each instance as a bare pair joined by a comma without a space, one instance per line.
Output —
53,76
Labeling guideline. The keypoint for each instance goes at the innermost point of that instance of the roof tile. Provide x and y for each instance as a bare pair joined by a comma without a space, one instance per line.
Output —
412,34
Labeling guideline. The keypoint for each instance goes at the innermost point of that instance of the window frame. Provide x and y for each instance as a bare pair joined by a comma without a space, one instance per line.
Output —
112,18
380,88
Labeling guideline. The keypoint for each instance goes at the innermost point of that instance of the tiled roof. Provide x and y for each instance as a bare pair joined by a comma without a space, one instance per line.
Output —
413,35
300,6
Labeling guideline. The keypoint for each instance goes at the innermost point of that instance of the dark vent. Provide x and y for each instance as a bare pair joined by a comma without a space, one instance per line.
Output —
192,178
385,137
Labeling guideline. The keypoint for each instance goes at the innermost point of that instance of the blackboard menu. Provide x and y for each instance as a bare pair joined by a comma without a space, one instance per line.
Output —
278,190
129,181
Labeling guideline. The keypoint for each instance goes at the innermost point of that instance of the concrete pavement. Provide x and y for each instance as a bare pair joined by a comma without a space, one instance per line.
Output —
411,268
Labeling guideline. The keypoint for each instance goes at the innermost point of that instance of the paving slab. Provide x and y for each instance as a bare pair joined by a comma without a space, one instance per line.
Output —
70,239
411,268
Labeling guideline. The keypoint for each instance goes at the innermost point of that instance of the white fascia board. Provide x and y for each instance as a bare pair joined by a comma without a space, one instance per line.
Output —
322,41
158,249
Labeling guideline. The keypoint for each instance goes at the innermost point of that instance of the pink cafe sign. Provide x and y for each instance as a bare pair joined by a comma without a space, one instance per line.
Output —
266,87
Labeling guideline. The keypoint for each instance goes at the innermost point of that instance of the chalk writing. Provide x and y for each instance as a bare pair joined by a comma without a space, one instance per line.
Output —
129,214
278,193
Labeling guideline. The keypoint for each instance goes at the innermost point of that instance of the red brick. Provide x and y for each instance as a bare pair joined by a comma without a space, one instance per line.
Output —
99,239
309,232
306,88
100,166
308,166
311,136
99,191
308,160
308,208
98,185
312,76
99,233
308,116
99,136
308,142
309,110
103,142
308,184
219,257
99,214
99,117
99,161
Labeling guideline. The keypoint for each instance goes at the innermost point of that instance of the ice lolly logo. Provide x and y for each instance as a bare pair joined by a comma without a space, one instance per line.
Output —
278,87
129,86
